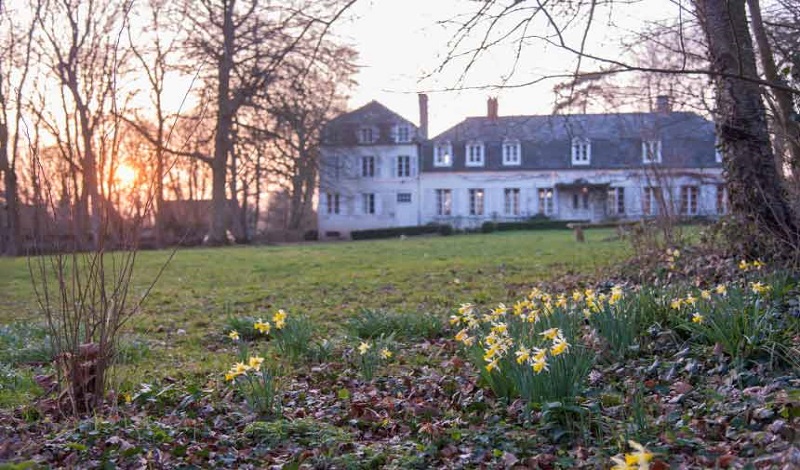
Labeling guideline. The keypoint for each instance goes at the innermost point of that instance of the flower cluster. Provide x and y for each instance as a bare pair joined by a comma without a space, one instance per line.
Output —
637,460
692,302
672,257
491,330
756,265
240,368
365,347
278,320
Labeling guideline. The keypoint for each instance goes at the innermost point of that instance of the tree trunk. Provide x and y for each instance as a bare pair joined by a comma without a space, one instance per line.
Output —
789,131
222,139
755,185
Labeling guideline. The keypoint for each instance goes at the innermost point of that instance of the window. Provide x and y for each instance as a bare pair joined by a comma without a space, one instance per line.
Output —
443,154
512,154
651,151
546,201
403,166
616,201
444,202
580,200
475,202
403,198
722,199
368,167
511,206
368,203
689,196
581,151
475,154
651,200
403,134
333,203
366,135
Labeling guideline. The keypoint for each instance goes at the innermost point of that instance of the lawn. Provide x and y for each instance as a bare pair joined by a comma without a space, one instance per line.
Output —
396,354
329,282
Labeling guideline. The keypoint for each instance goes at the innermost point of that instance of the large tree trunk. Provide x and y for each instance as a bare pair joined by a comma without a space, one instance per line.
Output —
222,139
10,234
755,184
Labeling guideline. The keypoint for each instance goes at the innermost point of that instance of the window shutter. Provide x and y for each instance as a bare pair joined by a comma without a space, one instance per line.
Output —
413,165
378,166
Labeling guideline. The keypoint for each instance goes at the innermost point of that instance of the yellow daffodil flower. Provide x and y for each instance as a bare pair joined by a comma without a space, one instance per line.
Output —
560,346
262,326
676,304
743,265
721,289
234,335
759,288
279,319
706,295
551,333
690,299
492,365
385,353
255,362
697,318
539,366
465,309
363,347
561,301
539,355
523,354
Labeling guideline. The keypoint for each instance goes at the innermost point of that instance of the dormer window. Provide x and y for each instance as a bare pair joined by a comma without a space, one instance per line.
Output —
443,154
402,134
366,135
651,151
581,151
512,154
475,154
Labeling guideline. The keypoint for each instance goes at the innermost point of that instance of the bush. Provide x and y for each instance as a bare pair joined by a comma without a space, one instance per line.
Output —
488,227
393,232
445,230
538,223
310,235
374,323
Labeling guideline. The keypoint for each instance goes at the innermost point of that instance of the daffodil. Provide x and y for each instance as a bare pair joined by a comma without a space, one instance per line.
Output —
758,265
363,347
577,296
551,333
500,328
676,304
234,335
262,326
240,368
559,347
743,265
616,295
697,318
759,288
706,295
721,289
385,353
640,457
465,309
523,354
501,309
279,319
255,362
539,366
462,335
539,354
561,301
690,299
492,365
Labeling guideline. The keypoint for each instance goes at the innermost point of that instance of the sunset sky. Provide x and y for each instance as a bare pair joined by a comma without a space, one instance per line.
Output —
399,42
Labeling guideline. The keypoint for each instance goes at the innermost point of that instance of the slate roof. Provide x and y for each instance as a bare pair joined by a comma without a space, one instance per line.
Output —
546,141
342,130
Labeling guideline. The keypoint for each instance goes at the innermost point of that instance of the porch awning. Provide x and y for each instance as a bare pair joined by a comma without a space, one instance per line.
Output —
582,185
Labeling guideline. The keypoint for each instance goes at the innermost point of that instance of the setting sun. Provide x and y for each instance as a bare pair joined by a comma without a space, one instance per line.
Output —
125,175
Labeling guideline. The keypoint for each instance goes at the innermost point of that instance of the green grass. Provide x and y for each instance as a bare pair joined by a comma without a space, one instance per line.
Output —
329,283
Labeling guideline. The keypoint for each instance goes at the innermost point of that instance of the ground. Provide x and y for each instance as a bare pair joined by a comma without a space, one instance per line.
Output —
431,404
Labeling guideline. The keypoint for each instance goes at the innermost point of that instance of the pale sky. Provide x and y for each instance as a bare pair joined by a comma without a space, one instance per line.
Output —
400,41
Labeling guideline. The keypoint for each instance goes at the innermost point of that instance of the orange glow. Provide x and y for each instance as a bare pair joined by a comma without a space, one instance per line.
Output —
125,175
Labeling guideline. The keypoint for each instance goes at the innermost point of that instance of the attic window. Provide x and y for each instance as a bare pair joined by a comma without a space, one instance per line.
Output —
402,134
366,135
651,151
511,152
581,151
475,154
443,154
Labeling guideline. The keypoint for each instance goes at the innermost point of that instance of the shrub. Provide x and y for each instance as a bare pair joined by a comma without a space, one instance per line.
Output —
534,224
488,227
446,230
411,326
394,232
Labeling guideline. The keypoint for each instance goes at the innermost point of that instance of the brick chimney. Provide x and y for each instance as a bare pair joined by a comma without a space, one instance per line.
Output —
423,115
663,104
492,109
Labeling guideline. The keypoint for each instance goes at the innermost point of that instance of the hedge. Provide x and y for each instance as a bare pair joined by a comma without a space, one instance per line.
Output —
394,232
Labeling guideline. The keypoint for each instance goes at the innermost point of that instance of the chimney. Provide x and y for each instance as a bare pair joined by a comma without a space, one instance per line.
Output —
663,104
423,116
492,109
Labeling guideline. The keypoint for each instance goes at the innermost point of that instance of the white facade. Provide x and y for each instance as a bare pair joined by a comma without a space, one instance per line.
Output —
392,179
